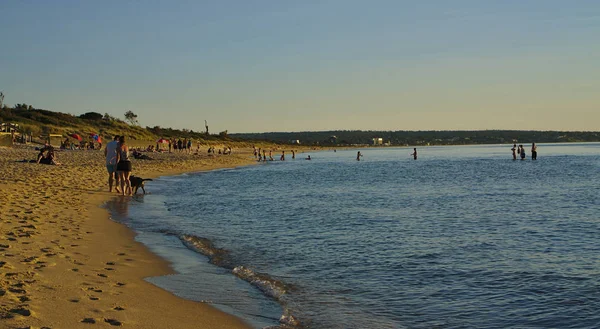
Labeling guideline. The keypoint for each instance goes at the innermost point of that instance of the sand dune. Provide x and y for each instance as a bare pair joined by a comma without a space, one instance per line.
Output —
65,264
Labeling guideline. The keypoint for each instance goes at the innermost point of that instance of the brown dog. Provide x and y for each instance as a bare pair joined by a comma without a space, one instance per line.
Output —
137,182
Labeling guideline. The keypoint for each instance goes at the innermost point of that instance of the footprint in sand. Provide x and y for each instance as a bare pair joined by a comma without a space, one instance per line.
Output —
118,308
88,320
21,311
113,322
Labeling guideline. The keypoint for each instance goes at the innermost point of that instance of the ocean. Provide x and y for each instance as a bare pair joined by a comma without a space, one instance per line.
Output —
463,237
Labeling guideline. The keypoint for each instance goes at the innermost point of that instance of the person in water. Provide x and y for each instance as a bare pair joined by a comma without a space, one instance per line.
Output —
533,151
358,155
514,151
308,158
414,154
522,152
282,158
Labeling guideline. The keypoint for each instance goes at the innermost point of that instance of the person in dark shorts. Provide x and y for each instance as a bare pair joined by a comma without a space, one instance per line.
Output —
414,154
124,166
533,151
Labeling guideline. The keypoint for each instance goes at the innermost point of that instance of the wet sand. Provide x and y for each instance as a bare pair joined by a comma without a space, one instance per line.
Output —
65,264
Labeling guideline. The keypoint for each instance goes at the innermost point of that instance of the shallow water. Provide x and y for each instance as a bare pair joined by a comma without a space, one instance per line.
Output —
464,237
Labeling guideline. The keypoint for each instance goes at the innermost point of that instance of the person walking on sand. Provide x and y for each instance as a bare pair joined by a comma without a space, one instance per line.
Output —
110,152
124,166
533,151
414,154
514,151
522,148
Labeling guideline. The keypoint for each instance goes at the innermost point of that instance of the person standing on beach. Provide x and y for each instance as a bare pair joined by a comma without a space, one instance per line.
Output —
124,166
414,154
533,151
110,152
514,151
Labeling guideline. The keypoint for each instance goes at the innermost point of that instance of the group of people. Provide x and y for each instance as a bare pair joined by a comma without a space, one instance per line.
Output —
118,165
211,150
520,151
184,145
263,156
69,145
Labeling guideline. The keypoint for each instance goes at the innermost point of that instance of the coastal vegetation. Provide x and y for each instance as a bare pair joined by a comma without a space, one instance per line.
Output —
40,122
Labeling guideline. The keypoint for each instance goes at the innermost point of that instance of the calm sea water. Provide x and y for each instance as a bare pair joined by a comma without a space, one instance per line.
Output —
464,237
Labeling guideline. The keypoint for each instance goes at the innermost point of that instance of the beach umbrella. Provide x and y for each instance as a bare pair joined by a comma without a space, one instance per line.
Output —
77,137
163,141
96,137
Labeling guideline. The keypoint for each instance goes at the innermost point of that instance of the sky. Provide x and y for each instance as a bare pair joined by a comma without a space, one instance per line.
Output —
272,65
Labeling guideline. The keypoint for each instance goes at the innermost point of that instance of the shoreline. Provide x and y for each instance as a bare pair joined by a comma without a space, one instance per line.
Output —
66,263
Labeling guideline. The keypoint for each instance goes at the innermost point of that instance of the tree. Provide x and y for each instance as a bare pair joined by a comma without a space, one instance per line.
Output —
95,116
131,117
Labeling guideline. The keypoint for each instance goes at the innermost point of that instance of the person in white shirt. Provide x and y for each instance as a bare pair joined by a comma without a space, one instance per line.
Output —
111,164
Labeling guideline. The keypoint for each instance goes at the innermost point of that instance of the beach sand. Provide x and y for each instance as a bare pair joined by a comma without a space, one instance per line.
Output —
65,264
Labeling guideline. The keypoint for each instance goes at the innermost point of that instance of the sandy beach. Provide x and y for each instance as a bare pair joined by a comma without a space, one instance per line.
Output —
65,264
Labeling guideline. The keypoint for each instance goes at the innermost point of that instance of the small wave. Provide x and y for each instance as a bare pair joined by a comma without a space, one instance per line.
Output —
269,286
204,246
220,257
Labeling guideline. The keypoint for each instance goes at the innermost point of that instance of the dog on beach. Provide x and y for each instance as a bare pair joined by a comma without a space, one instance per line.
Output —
138,182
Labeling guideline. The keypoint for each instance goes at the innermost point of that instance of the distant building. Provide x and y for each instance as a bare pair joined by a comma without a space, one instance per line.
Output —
378,141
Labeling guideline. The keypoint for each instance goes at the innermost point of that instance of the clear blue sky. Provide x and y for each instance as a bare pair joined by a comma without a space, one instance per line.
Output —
254,66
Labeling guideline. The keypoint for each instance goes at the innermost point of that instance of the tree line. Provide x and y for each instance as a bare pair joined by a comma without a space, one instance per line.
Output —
431,137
